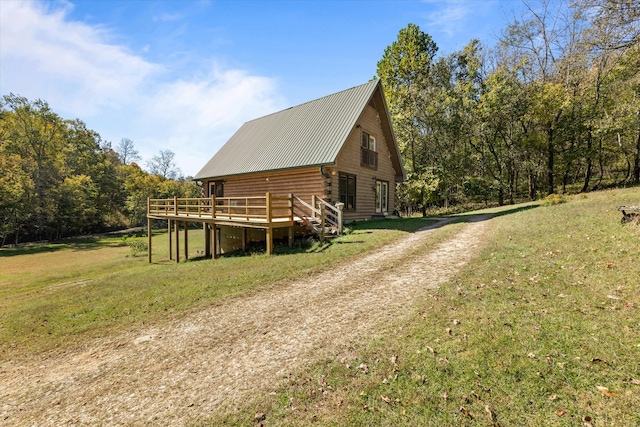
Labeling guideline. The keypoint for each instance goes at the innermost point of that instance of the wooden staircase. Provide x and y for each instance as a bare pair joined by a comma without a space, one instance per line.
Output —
320,216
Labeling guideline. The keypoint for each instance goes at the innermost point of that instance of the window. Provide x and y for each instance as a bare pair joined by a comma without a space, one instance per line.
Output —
216,188
368,154
382,196
347,190
368,141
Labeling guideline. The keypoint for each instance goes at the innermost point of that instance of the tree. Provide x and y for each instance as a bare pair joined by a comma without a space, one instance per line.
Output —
35,133
16,188
405,70
163,164
126,151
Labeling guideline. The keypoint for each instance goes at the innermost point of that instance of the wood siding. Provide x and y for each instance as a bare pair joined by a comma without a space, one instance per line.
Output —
304,183
349,161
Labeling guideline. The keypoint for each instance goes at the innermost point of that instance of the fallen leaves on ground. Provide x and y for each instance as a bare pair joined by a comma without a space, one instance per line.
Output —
606,391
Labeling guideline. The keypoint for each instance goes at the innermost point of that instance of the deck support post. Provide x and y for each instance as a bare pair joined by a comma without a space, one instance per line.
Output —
149,237
214,241
169,227
244,239
207,239
269,239
291,235
185,224
177,225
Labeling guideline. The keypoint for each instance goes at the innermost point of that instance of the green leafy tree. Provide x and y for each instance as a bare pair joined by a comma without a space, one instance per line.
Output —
16,188
405,71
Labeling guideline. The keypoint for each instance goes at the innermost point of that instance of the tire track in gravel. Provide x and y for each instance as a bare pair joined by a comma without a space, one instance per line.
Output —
217,358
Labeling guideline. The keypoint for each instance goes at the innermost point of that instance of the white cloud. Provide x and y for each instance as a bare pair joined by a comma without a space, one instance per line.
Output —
450,18
82,73
45,55
195,117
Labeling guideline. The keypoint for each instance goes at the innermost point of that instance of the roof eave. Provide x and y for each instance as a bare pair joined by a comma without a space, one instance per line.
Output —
262,172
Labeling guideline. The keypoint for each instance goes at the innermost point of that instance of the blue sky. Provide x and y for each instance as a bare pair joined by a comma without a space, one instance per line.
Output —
184,75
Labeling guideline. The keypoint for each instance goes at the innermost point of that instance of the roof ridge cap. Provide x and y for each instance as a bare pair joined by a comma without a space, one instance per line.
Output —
313,100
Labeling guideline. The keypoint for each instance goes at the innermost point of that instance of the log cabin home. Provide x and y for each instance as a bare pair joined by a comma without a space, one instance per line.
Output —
318,164
340,148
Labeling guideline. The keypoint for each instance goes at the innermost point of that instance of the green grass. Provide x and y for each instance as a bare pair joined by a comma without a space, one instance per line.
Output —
525,335
57,296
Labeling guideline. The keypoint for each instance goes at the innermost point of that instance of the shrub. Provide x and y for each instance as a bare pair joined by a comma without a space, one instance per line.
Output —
555,199
138,247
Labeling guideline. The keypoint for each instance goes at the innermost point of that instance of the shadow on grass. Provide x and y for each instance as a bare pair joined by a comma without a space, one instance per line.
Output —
76,244
411,225
84,243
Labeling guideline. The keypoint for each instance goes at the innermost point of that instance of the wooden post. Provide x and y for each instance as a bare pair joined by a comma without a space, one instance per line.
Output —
322,223
269,239
175,205
291,229
244,239
340,207
268,203
170,240
177,224
214,242
185,224
269,231
213,206
149,237
207,239
291,236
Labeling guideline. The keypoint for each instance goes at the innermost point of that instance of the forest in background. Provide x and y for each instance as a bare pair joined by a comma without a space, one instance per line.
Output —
553,107
60,179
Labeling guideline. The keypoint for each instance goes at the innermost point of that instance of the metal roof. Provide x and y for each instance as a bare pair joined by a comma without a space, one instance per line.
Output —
310,134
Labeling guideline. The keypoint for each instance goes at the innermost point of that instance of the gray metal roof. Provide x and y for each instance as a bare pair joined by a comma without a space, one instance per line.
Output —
309,134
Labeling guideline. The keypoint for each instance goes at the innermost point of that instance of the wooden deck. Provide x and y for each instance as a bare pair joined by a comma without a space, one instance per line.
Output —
259,211
263,212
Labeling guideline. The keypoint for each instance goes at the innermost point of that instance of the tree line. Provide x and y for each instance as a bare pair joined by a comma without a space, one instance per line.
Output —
58,178
553,107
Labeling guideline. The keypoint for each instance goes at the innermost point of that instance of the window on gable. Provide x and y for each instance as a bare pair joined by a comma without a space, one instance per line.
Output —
368,141
347,190
368,153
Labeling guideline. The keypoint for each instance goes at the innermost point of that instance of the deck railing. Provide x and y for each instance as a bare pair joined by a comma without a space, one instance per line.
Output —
325,213
265,208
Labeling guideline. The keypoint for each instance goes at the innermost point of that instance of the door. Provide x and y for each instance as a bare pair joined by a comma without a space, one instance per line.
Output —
216,188
382,196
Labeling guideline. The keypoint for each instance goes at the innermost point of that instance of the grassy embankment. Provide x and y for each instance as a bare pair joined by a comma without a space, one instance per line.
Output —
543,328
55,297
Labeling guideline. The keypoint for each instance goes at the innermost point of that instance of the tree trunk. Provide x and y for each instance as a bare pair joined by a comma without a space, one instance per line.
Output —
532,186
636,157
550,155
589,171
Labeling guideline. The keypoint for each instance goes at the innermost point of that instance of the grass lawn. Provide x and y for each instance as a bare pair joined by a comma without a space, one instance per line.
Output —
56,296
542,329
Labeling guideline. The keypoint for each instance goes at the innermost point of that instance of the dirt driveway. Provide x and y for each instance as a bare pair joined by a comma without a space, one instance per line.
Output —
215,359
